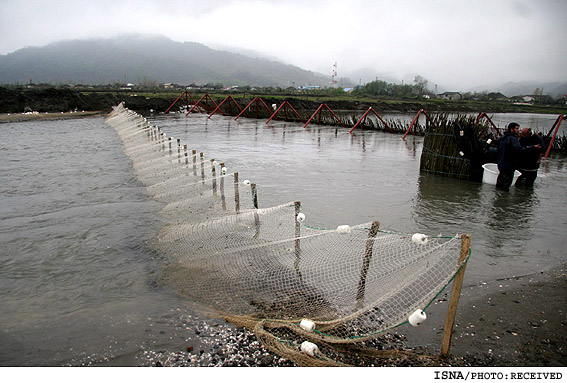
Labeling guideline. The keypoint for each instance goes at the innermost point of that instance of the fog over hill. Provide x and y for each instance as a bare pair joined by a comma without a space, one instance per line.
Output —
146,58
155,59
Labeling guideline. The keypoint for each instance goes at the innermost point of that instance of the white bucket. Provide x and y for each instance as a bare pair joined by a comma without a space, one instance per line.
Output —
490,174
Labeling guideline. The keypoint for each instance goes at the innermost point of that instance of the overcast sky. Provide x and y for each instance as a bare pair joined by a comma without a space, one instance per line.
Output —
454,43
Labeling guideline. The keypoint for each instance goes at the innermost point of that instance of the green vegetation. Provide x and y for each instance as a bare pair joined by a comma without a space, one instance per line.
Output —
378,94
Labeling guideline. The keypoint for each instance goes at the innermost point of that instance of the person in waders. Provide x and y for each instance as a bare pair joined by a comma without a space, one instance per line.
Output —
509,152
529,163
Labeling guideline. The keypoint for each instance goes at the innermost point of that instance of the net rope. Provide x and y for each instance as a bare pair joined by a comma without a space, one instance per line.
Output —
265,268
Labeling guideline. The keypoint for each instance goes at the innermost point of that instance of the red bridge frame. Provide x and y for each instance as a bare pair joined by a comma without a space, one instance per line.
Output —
205,98
227,100
255,100
414,121
363,119
185,93
320,110
284,106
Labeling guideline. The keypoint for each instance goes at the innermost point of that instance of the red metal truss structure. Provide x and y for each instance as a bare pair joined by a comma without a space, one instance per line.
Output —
554,129
284,106
484,115
363,119
187,95
228,99
320,110
414,121
256,100
204,98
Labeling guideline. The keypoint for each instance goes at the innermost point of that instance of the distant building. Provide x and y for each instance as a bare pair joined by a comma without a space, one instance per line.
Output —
528,99
496,96
524,99
309,87
450,96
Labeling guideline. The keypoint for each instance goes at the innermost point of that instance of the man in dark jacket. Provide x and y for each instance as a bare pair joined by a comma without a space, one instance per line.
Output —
529,162
509,152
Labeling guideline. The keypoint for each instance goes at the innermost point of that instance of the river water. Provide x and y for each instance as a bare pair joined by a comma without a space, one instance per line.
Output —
78,274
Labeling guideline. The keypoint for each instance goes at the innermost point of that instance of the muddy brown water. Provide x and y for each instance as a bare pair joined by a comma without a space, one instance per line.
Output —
77,269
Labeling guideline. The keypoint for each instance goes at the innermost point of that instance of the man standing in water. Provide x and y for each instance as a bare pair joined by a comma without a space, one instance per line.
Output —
509,152
529,163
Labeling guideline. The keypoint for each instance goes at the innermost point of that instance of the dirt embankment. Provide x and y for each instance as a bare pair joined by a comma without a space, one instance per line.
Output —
57,100
53,100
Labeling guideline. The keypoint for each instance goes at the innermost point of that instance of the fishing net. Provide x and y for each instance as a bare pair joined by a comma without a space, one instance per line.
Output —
309,294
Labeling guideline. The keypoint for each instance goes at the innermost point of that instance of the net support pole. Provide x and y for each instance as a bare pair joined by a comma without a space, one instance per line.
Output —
256,216
202,159
254,195
214,176
236,193
366,262
455,295
297,241
223,199
297,229
194,153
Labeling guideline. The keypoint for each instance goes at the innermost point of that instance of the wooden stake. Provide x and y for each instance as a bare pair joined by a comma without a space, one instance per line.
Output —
256,216
455,295
366,263
236,193
297,241
223,199
254,195
214,176
202,165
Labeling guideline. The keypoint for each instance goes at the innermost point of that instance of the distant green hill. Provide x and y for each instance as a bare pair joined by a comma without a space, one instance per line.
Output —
142,59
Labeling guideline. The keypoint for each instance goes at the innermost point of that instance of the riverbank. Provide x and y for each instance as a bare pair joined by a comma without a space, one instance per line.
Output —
20,117
18,100
516,322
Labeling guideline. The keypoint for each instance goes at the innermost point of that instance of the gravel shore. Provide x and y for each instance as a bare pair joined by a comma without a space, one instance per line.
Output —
520,321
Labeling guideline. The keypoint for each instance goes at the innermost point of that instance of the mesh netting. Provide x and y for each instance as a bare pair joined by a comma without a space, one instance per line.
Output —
265,269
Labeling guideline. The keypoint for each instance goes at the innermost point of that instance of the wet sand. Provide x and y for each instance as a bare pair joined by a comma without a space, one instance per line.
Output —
20,117
514,322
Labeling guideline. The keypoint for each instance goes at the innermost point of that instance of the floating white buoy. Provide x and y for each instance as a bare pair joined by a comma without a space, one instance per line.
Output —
307,325
343,229
309,348
462,133
223,170
300,217
489,141
246,182
461,154
417,318
420,239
